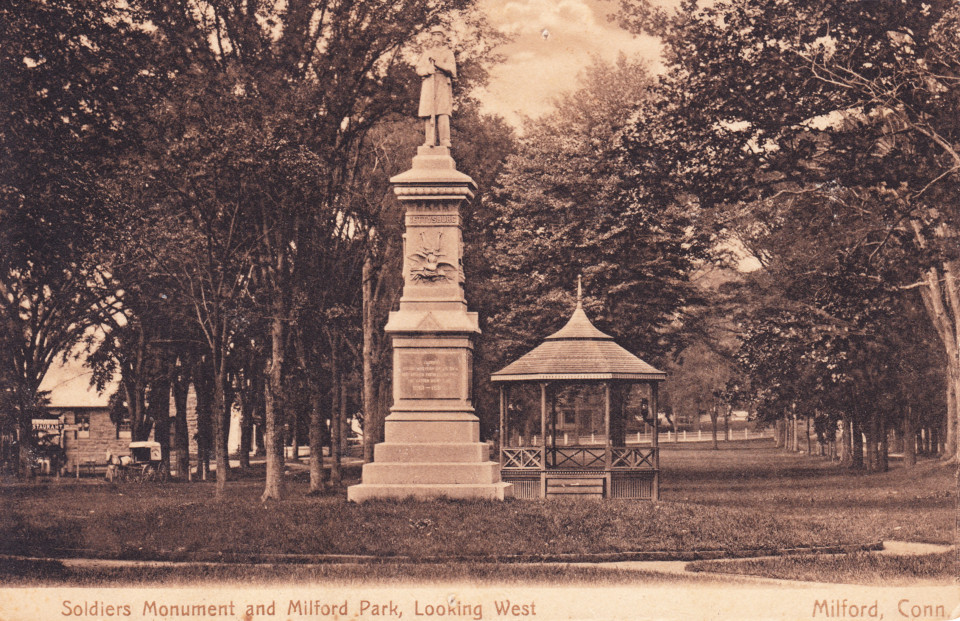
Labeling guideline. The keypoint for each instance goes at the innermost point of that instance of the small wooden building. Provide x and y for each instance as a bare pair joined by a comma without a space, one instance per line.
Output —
598,431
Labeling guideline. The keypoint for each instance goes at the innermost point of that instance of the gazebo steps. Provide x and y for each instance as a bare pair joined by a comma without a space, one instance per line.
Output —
428,491
630,484
576,486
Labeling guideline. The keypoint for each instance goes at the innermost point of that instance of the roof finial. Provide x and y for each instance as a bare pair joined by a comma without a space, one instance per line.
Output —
579,290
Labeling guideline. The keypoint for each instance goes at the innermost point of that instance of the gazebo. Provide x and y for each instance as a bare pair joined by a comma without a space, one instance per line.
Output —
598,429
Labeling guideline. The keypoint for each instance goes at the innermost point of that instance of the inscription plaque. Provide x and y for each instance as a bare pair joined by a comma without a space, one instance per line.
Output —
429,375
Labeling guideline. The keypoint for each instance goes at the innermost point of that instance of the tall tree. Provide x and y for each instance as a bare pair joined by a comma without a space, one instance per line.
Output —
560,209
263,134
72,84
772,98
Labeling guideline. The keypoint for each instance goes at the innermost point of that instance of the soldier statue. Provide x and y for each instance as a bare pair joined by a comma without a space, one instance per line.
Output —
438,69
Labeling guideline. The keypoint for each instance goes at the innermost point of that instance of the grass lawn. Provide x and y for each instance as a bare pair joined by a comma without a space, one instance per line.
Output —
857,568
53,573
919,504
183,522
745,497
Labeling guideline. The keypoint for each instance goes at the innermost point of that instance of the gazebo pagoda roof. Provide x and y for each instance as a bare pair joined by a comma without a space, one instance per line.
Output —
578,351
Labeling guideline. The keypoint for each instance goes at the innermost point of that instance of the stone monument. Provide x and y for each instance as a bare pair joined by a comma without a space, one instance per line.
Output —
432,445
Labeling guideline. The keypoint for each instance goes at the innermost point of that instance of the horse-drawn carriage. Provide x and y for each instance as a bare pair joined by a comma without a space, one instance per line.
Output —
142,464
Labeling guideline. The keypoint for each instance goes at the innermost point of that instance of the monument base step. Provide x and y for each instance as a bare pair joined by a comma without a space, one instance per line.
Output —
431,473
419,452
429,491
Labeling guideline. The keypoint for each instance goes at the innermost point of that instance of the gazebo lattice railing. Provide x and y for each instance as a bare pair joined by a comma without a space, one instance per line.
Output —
579,355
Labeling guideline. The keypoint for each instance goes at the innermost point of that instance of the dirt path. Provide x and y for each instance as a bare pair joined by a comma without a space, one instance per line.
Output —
674,568
679,568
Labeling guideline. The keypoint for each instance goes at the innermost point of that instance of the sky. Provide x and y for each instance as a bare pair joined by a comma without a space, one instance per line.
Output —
554,40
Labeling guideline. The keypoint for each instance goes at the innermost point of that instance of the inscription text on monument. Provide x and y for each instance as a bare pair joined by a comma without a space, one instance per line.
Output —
430,375
433,219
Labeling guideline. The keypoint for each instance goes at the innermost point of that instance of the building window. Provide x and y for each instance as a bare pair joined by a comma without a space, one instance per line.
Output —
124,429
82,421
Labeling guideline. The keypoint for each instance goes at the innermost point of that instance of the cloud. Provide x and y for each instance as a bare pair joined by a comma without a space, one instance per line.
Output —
532,16
537,70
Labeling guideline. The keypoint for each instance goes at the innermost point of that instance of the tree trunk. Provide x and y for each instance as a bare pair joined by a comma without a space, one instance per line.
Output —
260,412
384,399
247,407
872,433
273,432
883,456
317,482
857,445
221,419
953,393
714,416
941,299
204,388
294,435
25,439
726,422
133,381
809,444
259,433
786,431
160,410
373,415
336,394
181,434
846,442
909,438
344,418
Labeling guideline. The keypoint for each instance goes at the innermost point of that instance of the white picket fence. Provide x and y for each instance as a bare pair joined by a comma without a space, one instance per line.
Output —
647,438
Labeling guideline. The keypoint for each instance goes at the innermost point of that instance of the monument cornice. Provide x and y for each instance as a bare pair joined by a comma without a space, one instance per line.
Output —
438,191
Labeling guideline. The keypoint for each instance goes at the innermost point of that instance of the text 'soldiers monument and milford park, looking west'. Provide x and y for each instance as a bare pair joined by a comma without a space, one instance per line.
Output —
432,444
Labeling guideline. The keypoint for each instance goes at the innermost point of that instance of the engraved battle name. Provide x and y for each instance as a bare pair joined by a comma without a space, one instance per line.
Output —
430,375
432,219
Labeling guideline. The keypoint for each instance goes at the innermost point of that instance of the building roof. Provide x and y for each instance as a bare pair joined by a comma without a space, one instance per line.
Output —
578,351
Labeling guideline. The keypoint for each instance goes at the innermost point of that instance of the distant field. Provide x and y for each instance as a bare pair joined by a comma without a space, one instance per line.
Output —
745,497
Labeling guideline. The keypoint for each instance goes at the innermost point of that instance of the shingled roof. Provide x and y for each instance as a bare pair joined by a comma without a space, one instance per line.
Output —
578,351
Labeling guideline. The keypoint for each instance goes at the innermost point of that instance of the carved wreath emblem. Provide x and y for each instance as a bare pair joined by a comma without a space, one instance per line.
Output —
429,266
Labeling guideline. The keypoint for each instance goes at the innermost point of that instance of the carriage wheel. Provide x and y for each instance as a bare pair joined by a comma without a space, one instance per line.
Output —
149,473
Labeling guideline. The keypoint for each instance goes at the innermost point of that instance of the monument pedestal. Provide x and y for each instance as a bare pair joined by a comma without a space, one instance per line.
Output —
432,445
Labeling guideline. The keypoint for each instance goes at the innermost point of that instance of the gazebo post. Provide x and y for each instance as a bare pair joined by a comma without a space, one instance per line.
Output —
607,450
543,436
504,431
553,428
655,405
